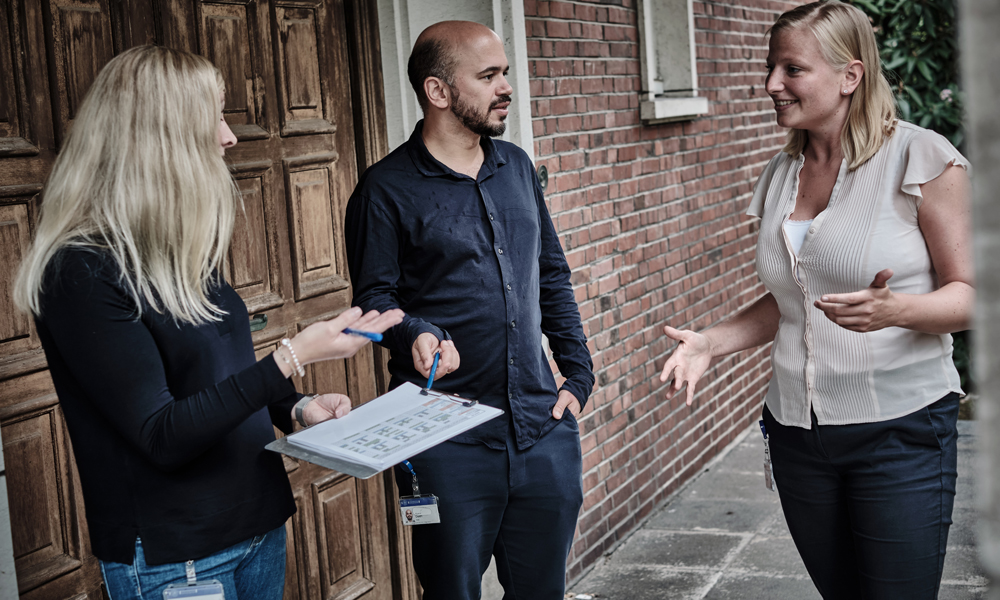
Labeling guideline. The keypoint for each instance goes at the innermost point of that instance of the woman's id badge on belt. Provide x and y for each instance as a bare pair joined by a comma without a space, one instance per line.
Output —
768,475
419,510
202,590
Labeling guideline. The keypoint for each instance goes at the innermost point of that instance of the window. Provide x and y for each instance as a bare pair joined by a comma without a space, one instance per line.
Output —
667,62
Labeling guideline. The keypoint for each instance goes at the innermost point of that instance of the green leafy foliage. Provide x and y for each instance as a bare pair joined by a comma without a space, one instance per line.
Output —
962,355
918,45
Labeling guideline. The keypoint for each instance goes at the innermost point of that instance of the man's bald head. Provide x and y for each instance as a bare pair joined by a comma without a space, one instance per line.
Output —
437,51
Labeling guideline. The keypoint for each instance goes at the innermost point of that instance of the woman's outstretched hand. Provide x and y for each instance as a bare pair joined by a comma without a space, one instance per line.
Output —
688,362
326,340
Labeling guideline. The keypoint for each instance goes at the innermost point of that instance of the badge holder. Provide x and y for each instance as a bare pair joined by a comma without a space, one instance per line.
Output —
418,509
768,475
194,589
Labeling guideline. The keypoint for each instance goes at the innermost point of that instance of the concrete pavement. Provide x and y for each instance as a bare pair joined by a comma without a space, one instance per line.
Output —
723,536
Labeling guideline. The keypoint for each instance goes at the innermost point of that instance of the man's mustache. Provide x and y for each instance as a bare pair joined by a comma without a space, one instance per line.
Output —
499,101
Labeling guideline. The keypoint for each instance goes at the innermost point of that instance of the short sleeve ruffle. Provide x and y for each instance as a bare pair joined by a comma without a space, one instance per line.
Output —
756,208
929,155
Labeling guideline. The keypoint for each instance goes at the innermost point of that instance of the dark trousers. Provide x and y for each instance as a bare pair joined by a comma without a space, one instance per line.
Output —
869,505
520,506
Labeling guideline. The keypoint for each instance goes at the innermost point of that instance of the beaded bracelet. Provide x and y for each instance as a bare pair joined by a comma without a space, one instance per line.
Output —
284,358
298,366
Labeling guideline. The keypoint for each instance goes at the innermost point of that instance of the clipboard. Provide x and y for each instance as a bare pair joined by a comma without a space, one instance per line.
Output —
360,471
385,431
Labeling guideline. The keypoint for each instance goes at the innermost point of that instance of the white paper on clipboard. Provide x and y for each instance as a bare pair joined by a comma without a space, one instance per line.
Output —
389,429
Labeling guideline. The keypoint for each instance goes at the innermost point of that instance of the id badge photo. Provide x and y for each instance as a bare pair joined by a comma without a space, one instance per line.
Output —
419,510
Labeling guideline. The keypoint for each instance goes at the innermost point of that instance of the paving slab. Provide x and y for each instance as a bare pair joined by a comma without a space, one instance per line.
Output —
962,592
714,514
962,565
770,556
678,549
963,527
632,582
755,587
731,485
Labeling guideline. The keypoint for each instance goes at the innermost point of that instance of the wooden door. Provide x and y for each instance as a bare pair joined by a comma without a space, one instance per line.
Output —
294,71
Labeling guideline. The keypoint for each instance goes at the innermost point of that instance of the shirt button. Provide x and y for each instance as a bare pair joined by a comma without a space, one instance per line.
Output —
513,324
500,251
510,395
491,216
508,287
812,230
512,361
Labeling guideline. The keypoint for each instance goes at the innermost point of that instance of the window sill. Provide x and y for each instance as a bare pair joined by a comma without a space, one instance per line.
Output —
664,110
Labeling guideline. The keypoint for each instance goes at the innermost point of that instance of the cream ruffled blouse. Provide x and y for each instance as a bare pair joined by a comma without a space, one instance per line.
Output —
870,224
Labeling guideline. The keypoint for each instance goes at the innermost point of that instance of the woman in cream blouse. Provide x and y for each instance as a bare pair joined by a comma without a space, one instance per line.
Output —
864,249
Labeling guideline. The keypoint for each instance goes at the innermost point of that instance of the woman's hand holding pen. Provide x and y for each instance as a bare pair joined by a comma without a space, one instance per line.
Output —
326,340
424,349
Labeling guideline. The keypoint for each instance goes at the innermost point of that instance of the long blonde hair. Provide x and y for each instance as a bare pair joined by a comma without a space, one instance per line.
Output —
845,34
140,176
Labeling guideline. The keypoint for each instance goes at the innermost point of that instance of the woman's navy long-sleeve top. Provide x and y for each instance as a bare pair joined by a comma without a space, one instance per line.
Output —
168,420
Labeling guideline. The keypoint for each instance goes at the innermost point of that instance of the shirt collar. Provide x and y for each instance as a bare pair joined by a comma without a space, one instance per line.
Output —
493,156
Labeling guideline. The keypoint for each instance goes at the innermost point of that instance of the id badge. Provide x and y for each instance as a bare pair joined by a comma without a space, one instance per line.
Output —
419,510
202,590
768,473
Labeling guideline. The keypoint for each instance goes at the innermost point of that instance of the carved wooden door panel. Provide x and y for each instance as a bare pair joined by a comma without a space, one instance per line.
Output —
287,68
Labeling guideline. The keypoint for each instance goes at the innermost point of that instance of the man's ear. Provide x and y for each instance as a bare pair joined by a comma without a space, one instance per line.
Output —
438,92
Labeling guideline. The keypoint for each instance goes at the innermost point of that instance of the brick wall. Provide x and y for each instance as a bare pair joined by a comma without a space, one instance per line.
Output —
651,218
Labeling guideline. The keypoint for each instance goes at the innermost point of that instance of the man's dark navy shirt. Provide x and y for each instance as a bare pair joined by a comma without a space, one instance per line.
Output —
475,261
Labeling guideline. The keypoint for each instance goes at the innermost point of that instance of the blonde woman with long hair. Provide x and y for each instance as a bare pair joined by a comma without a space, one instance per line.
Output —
864,249
149,348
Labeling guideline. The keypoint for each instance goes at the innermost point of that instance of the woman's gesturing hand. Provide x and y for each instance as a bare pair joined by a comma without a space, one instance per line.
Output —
871,309
326,340
688,362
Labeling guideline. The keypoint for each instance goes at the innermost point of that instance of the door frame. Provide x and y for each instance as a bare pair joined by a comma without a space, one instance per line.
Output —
372,140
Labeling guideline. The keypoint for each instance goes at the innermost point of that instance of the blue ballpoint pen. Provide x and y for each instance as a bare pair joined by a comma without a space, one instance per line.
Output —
430,380
375,337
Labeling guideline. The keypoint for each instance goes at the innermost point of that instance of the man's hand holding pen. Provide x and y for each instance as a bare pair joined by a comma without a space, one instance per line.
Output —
424,349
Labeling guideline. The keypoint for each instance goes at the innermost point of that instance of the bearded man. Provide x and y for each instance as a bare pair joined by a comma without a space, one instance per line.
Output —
452,228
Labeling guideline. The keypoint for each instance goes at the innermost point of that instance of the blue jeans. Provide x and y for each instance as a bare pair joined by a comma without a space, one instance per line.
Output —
254,569
517,505
869,505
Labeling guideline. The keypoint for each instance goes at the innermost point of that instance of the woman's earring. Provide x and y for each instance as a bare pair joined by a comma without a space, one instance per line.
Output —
845,92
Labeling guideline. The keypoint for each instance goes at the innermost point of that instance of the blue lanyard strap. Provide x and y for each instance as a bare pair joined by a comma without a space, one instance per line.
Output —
416,486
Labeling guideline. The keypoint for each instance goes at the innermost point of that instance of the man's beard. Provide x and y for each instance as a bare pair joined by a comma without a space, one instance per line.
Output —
478,122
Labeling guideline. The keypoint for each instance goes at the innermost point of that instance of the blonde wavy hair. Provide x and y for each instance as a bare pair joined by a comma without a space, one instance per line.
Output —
845,34
140,176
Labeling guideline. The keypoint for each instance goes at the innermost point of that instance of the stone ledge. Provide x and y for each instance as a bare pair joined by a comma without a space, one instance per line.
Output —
663,110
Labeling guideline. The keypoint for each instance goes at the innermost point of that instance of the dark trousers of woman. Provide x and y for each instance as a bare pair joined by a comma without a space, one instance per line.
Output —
869,505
